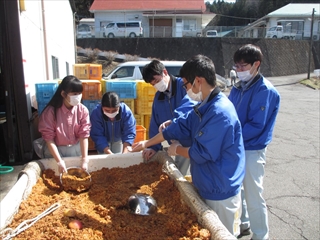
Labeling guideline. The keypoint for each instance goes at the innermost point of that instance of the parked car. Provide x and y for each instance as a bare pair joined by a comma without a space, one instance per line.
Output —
123,29
212,33
84,31
279,32
132,70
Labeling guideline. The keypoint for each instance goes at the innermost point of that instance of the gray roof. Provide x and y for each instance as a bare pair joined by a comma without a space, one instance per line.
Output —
296,10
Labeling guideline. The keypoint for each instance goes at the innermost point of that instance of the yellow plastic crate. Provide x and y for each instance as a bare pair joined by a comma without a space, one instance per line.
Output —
145,90
143,106
129,102
139,119
81,71
140,133
146,120
103,86
95,71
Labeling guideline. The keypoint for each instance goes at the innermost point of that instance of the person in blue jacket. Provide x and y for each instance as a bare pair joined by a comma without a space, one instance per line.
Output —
217,160
170,101
257,104
113,125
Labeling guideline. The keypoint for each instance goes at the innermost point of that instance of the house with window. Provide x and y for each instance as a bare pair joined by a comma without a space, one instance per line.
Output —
159,18
295,21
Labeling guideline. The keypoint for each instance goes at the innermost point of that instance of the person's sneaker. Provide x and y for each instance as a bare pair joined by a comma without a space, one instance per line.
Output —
245,232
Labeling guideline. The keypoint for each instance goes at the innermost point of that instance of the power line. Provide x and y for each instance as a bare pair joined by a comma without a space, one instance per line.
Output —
236,17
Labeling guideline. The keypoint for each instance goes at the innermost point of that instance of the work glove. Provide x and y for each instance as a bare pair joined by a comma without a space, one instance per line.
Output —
172,150
62,166
84,163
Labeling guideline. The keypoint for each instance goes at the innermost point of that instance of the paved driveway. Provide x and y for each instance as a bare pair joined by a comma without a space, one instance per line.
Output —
292,169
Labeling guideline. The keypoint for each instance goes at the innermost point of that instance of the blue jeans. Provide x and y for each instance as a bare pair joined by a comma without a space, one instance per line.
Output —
254,208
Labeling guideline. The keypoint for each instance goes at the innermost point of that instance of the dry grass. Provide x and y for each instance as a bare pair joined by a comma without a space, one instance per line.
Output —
313,82
105,58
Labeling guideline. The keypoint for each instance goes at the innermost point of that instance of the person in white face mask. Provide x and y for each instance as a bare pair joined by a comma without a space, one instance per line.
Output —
170,101
216,151
257,103
113,125
65,125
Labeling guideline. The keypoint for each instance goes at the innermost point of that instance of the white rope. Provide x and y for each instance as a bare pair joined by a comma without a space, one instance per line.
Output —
10,233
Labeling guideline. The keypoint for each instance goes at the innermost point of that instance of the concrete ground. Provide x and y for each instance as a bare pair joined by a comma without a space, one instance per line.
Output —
292,169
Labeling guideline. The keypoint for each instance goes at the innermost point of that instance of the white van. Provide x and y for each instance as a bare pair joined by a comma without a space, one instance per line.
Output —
132,70
123,29
212,33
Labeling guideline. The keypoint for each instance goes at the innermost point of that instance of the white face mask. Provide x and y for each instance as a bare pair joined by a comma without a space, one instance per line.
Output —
75,99
245,76
161,86
195,96
111,115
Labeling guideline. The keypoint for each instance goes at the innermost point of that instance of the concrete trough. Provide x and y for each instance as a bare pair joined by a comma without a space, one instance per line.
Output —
28,177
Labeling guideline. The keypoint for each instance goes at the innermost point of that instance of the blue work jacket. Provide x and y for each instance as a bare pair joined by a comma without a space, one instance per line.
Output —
104,131
217,158
166,108
257,106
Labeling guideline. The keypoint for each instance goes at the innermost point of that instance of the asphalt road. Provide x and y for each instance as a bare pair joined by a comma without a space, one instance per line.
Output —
292,170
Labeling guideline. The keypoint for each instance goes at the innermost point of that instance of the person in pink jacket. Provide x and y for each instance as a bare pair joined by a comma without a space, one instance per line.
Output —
65,124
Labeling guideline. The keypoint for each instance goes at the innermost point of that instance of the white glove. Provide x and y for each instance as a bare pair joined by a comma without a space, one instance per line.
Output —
62,166
84,163
172,150
164,125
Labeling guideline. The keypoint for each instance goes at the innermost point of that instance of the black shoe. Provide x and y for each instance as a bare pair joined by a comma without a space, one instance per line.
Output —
244,232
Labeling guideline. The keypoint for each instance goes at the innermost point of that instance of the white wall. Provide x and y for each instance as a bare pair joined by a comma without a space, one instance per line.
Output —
59,31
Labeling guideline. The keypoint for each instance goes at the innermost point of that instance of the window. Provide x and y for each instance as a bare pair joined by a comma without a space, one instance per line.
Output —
189,24
110,25
83,28
123,72
133,24
55,67
121,25
292,26
175,71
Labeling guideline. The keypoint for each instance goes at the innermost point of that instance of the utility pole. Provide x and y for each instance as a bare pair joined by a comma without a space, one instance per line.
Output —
311,43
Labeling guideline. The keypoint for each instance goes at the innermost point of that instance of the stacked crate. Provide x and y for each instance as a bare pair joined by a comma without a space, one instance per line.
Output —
143,102
44,92
90,76
88,71
91,96
126,90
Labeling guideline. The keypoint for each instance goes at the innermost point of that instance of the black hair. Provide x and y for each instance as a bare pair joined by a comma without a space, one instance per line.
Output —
155,67
69,84
199,66
248,53
110,99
